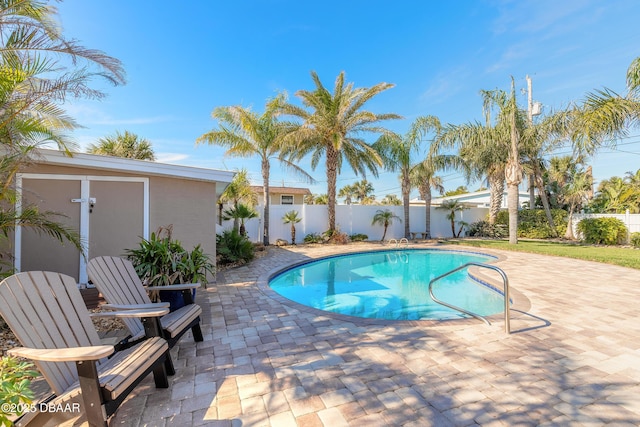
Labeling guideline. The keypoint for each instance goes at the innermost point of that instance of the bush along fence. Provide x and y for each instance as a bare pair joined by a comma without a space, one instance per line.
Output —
630,221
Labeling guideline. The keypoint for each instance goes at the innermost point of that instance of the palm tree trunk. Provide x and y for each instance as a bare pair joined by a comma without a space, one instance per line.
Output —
425,193
532,191
265,201
385,232
293,234
496,188
332,174
406,191
545,201
512,202
569,233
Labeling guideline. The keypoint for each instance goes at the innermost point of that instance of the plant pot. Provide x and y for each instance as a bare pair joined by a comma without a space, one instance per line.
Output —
175,298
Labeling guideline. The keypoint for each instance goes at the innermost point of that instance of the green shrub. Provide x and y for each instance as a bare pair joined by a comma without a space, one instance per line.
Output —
163,261
313,238
603,231
533,224
15,383
635,240
359,237
484,229
232,247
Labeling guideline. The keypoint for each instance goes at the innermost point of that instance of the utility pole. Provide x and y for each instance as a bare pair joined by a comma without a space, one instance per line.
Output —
532,186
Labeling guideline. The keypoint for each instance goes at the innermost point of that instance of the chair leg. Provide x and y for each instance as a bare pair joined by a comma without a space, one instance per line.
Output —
160,373
168,365
197,333
91,393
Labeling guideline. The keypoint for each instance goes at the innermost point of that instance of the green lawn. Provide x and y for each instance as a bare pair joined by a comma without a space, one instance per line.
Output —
626,257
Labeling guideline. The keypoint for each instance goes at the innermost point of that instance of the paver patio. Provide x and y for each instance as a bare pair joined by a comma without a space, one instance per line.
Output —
573,358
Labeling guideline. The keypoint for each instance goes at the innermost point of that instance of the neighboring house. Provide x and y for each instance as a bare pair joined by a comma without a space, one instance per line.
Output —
478,199
282,195
114,202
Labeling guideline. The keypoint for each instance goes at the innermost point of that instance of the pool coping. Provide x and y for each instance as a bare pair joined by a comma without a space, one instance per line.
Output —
519,301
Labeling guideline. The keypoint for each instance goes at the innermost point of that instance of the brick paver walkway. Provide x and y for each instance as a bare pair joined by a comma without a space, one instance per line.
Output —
573,359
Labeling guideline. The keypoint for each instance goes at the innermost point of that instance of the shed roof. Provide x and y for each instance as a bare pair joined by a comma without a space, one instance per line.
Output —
119,164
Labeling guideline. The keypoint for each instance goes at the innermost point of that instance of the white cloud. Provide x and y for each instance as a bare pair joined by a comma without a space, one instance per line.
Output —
171,157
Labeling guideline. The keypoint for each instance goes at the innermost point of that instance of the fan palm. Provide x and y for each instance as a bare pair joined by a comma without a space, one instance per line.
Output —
384,218
332,129
363,190
238,191
240,213
292,218
247,134
127,145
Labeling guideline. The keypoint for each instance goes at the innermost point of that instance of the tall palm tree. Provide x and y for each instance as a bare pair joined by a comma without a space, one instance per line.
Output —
292,218
575,193
384,218
397,153
127,145
332,130
247,134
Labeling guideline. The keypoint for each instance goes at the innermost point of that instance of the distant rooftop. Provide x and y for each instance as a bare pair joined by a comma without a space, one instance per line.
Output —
282,190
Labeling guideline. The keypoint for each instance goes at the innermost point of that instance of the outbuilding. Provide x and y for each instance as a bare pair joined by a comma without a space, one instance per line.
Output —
113,203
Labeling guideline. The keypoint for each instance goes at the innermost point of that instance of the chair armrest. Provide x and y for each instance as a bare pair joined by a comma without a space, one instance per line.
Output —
132,313
72,354
176,287
135,306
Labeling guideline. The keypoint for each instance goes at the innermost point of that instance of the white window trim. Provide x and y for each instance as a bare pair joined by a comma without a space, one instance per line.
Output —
293,199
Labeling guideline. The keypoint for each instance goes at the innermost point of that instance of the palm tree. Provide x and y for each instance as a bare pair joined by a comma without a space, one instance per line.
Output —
391,199
238,191
362,190
320,199
292,218
397,152
332,130
348,192
127,145
453,206
384,218
246,134
575,193
39,69
240,213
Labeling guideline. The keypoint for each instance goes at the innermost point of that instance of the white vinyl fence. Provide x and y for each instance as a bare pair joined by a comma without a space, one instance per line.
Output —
631,221
353,219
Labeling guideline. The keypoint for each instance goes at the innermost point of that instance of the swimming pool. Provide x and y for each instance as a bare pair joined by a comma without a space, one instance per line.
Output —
390,285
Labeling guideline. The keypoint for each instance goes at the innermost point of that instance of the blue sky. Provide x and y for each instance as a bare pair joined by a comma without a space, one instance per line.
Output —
183,60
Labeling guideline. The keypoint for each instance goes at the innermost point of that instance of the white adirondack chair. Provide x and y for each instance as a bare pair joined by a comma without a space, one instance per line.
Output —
119,284
46,312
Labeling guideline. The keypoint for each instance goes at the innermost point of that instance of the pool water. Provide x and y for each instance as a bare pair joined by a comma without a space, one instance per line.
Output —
390,285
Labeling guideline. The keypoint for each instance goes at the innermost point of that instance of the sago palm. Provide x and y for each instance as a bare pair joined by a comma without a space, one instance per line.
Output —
332,130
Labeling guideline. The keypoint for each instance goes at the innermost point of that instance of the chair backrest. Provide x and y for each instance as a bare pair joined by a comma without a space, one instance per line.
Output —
118,282
46,310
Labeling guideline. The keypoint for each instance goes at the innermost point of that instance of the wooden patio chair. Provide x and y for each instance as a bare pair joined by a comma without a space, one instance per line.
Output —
119,284
46,312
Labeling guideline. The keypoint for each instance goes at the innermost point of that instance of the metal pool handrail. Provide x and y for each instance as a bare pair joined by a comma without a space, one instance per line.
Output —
505,280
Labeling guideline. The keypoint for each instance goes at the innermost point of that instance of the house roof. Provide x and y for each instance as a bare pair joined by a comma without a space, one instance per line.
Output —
281,190
119,164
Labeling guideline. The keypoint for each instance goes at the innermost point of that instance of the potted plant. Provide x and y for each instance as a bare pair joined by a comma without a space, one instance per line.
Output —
162,261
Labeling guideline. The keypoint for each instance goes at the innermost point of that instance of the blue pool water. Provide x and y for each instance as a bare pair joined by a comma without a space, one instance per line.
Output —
389,285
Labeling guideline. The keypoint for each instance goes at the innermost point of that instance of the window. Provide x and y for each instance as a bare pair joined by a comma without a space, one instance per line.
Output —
286,199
